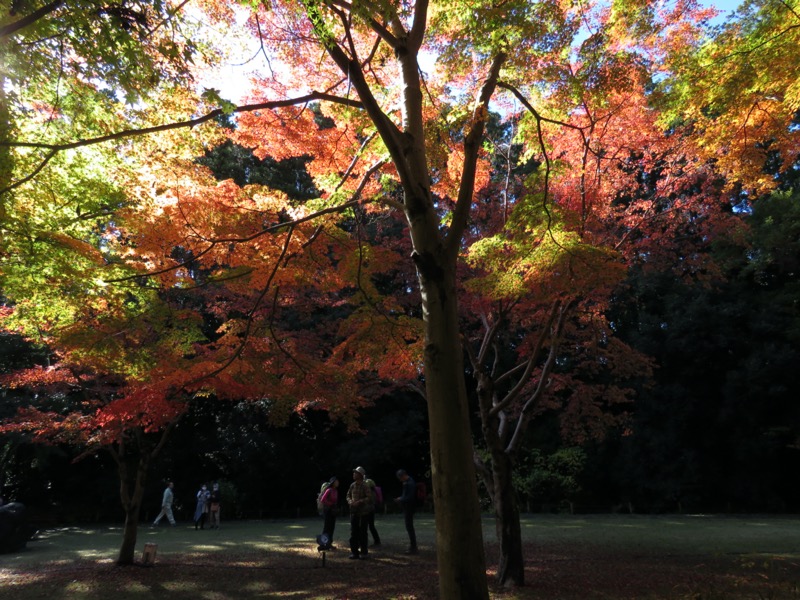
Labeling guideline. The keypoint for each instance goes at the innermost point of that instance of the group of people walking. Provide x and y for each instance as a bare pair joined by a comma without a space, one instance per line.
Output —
362,497
209,504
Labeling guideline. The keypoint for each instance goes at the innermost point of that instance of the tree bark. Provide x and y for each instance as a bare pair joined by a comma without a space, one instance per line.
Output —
142,456
511,570
459,539
460,553
499,482
12,28
132,505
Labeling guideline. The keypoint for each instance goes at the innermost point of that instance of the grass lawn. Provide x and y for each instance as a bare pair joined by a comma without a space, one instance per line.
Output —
567,557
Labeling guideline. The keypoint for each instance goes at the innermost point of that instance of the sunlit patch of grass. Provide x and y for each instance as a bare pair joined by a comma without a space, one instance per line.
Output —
92,554
260,546
207,547
8,577
136,587
258,587
180,586
48,534
78,587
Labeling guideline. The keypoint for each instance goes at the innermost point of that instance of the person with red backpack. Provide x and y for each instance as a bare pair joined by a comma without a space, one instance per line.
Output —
328,503
408,500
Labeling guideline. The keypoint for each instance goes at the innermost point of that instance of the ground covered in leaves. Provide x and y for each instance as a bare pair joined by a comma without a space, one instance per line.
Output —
567,558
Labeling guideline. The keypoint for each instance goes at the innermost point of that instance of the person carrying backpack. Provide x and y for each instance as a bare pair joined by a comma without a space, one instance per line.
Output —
328,503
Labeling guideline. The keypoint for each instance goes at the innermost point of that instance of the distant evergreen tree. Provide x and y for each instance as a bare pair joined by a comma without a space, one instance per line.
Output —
720,430
232,161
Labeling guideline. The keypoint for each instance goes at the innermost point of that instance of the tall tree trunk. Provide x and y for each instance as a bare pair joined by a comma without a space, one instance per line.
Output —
462,566
502,434
459,539
511,570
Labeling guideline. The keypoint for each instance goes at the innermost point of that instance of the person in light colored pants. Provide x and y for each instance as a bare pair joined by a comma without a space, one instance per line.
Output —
166,505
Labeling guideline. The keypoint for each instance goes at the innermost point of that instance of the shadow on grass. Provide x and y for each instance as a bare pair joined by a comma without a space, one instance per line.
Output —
569,558
239,561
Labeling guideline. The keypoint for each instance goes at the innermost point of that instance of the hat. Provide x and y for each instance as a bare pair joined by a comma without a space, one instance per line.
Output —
332,480
361,471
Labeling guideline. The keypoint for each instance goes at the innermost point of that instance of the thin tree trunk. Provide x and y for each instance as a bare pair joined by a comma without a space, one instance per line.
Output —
132,499
132,504
130,533
511,570
499,482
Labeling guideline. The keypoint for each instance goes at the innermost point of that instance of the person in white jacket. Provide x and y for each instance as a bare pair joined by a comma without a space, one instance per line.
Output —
166,505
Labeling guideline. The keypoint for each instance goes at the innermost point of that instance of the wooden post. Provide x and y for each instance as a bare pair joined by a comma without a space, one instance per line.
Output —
149,554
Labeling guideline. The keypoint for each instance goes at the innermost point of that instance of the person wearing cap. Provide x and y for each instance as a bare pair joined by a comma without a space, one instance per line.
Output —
408,500
330,508
361,501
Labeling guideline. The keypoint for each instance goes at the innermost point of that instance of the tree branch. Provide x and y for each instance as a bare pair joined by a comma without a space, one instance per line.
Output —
236,240
12,28
525,414
472,145
419,26
125,133
530,363
376,25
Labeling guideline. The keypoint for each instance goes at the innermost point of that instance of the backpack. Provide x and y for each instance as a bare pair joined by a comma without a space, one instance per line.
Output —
377,494
422,493
322,490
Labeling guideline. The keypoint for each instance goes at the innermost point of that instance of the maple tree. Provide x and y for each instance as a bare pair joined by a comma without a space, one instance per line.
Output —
75,71
113,386
612,189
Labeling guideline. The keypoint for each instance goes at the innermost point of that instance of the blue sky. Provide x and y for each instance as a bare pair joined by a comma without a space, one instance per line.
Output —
232,79
727,6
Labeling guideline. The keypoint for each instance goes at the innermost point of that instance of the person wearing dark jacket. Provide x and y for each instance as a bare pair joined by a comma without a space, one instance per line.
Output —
408,500
376,497
214,507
